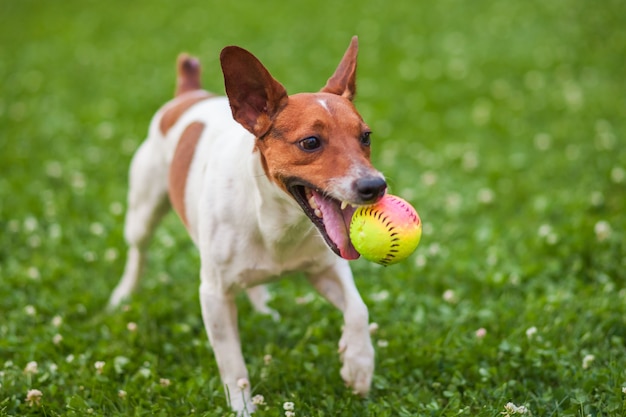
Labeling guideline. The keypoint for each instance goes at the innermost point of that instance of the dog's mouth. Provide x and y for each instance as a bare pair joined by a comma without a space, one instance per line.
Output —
331,216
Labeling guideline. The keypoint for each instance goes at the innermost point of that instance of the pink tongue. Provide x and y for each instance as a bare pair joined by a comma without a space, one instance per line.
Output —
337,222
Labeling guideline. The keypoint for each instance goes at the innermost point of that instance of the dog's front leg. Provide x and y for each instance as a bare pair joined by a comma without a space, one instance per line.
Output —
219,313
355,346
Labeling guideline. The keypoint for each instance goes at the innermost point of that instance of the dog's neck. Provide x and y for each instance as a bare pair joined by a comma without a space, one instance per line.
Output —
279,215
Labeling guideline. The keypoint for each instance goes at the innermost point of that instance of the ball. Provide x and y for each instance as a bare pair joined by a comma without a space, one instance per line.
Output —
386,232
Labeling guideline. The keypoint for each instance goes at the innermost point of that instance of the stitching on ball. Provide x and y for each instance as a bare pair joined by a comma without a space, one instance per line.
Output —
406,208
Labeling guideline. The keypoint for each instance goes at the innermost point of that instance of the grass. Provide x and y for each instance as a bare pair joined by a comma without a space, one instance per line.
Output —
502,122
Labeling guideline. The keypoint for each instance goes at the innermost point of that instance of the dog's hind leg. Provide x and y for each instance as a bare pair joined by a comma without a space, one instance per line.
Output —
147,203
259,297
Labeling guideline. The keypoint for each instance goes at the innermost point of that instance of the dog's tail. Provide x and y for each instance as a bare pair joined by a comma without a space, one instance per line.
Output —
188,79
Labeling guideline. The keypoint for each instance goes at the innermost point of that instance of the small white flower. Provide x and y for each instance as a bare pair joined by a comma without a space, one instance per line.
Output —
380,296
243,383
33,397
30,310
111,254
33,273
449,296
420,260
78,181
288,406
57,338
267,359
57,321
373,327
31,224
429,178
54,169
531,331
486,196
382,343
258,400
96,229
121,393
623,390
69,358
618,175
165,382
116,208
481,333
89,256
34,241
290,414
131,326
470,160
510,409
587,361
53,368
602,230
99,365
543,141
31,368
597,199
434,249
544,231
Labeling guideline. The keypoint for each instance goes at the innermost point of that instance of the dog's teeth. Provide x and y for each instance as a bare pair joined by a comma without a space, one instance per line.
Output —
318,212
312,202
344,204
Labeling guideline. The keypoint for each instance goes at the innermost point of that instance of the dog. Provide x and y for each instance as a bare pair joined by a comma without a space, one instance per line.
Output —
265,184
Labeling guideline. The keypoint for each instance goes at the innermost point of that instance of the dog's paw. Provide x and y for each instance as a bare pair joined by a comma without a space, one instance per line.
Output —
358,364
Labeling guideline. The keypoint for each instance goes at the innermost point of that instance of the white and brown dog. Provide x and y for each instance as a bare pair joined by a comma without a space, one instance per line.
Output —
265,184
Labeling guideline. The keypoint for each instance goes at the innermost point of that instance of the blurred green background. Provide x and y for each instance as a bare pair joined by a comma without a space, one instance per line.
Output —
502,122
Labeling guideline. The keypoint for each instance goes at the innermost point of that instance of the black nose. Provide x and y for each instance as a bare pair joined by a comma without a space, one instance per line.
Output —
370,189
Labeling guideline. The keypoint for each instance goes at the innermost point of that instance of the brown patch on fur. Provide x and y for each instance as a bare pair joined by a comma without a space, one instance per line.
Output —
175,108
179,170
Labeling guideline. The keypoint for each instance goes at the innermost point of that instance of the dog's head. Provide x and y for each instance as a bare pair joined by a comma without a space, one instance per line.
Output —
315,146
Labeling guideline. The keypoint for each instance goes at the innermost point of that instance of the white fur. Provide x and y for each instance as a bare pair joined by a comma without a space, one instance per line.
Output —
247,231
324,104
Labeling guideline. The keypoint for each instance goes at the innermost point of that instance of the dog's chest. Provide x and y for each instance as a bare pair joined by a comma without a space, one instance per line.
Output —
284,240
262,245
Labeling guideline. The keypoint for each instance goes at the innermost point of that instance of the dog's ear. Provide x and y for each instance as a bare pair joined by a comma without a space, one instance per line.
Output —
255,96
343,81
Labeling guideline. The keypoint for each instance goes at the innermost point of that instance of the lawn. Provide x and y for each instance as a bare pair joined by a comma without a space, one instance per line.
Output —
503,123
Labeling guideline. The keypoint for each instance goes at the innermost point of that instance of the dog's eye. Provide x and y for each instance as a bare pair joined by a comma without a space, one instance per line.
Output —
365,139
310,144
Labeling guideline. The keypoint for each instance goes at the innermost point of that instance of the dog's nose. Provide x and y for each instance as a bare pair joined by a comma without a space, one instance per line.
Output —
370,189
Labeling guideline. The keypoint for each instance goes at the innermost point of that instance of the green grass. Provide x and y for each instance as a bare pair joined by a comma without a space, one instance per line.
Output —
504,123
